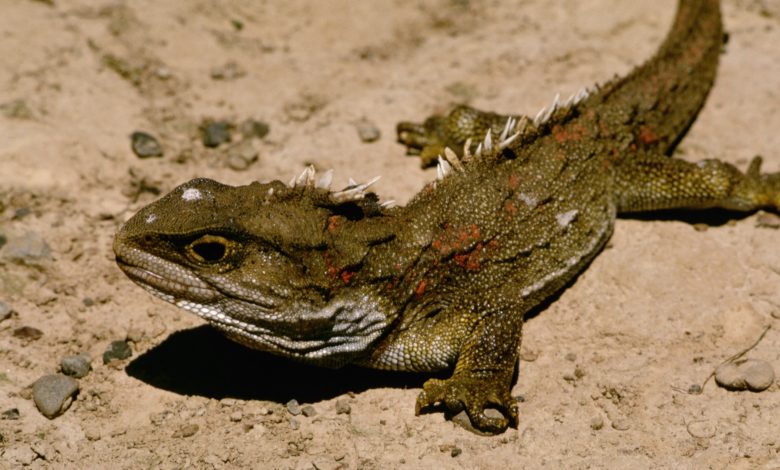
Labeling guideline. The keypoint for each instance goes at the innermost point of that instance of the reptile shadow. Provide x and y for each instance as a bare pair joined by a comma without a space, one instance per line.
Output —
201,361
711,217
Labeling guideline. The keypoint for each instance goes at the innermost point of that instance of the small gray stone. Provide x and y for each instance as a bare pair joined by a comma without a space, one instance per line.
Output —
367,131
768,220
597,422
92,434
29,247
456,451
294,424
229,71
117,350
745,374
54,393
293,407
5,310
216,133
27,333
21,213
309,411
187,430
145,145
11,414
241,155
252,128
621,424
77,365
342,407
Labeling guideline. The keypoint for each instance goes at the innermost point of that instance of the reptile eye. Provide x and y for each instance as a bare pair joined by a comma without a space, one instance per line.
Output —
209,249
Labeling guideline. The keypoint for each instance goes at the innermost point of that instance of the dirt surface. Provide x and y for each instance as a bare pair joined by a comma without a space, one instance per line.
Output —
607,366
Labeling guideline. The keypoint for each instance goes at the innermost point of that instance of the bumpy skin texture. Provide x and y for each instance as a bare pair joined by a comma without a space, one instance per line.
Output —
336,277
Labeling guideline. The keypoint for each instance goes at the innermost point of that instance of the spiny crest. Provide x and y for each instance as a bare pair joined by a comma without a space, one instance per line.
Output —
450,161
351,193
544,114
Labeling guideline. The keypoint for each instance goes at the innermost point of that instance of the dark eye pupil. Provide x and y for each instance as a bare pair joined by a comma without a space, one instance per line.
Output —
210,251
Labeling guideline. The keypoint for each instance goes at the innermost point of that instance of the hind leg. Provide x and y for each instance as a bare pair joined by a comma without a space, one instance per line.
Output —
648,183
428,139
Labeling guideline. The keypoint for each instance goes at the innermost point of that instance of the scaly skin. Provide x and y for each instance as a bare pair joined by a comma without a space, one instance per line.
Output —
336,277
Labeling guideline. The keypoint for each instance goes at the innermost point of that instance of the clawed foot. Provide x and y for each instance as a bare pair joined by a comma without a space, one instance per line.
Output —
422,139
474,395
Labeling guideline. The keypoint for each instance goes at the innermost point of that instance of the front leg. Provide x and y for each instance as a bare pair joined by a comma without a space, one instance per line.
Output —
429,139
483,374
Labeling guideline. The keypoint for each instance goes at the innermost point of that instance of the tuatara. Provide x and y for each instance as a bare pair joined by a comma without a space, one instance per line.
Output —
519,206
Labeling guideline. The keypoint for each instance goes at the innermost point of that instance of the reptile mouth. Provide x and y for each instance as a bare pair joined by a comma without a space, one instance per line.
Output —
163,277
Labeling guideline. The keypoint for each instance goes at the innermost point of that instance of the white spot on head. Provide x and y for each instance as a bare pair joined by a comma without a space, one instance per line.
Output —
151,218
191,194
565,218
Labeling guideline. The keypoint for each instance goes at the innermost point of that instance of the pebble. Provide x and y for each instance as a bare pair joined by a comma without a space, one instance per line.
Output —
21,213
367,131
11,414
701,429
145,145
309,411
294,424
54,393
768,220
77,365
92,434
253,128
621,424
187,430
28,333
216,133
343,407
117,350
596,423
5,310
462,420
456,451
27,247
236,416
229,71
241,155
745,374
293,407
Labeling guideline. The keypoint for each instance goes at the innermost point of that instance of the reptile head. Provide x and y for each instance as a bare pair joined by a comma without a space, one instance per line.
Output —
265,263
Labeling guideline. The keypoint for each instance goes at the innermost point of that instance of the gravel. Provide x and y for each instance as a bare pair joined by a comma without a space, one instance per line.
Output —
54,393
77,365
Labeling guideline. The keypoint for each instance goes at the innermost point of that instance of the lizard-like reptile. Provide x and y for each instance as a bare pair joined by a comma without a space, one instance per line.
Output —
337,277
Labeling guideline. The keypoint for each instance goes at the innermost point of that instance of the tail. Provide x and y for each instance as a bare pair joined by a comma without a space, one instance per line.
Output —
668,91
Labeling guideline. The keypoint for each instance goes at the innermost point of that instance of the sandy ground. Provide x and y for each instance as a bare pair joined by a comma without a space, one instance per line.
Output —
607,366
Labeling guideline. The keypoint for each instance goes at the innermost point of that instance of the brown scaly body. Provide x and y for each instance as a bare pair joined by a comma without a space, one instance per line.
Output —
338,277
